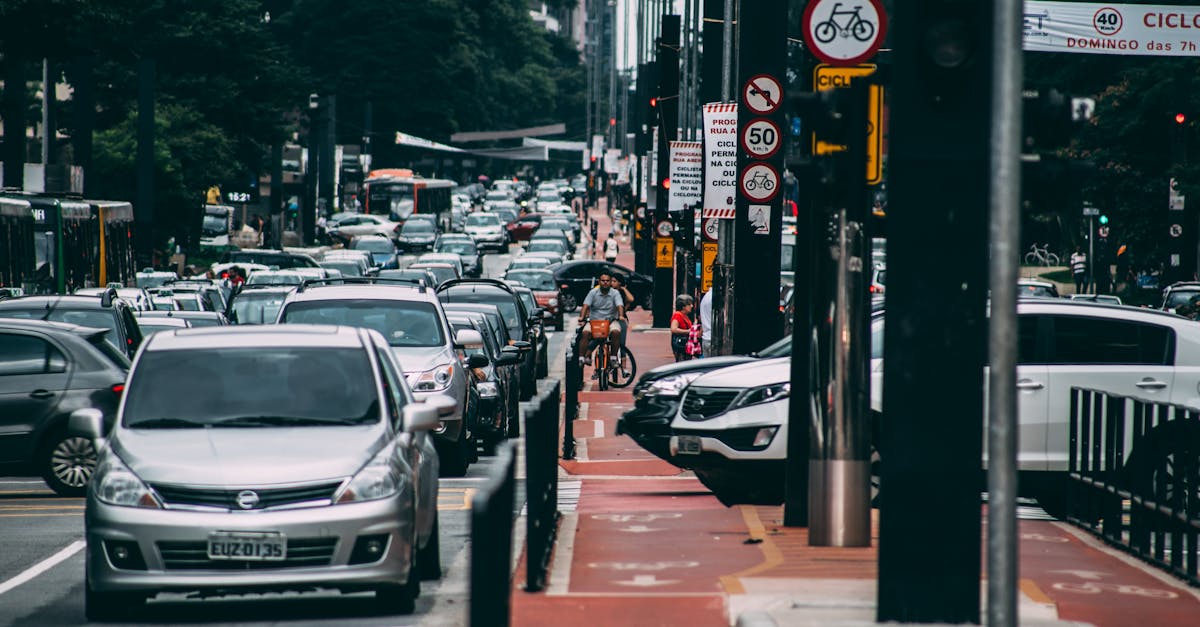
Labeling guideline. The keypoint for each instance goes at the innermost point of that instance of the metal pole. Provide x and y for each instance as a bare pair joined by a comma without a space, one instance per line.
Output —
727,55
1092,253
47,99
1005,237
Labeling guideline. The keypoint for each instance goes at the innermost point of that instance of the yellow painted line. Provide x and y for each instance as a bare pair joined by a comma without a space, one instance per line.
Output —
772,556
455,501
1035,594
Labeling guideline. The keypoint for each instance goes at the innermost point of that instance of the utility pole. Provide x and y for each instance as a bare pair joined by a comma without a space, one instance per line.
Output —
144,214
15,122
722,333
668,123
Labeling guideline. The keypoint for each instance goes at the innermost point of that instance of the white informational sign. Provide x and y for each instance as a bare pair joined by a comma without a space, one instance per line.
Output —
612,161
598,146
720,160
687,168
587,160
1124,29
644,175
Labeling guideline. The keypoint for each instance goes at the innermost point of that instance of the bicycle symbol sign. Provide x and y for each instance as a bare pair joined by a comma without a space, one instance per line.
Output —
760,182
844,32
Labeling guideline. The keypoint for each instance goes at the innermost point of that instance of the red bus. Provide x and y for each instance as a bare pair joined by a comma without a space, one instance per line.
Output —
398,193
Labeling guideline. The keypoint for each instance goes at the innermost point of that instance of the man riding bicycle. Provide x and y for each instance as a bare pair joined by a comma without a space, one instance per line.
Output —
602,303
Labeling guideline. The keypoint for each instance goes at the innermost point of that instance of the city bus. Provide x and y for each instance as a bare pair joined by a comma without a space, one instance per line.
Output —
398,194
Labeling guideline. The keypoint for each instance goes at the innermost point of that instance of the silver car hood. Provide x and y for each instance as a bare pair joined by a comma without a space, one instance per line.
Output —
248,457
414,359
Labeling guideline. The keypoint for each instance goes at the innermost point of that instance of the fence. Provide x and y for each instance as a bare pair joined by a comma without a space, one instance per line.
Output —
1134,479
541,481
491,542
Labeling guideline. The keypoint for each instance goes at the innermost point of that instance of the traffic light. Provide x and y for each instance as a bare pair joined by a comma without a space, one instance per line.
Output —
1180,118
1103,220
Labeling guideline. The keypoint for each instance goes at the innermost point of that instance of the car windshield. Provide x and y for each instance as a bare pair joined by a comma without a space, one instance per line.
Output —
95,318
281,261
1179,297
274,278
214,225
458,247
412,275
252,387
257,308
402,323
443,273
782,348
483,219
375,245
529,262
545,246
347,268
503,300
417,227
540,280
558,225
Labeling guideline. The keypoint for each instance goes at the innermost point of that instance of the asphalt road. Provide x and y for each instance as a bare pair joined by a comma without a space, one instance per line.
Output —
42,561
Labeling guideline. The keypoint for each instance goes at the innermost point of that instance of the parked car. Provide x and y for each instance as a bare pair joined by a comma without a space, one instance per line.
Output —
487,230
545,291
327,476
463,246
494,369
47,371
411,320
107,312
576,278
382,250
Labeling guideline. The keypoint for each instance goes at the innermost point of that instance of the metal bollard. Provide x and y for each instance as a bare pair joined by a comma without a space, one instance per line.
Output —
574,375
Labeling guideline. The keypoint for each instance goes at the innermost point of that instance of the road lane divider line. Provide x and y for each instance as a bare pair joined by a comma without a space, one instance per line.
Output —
47,514
772,556
598,427
43,566
564,554
25,508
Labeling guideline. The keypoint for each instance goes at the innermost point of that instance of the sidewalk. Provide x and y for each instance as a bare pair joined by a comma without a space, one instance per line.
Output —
647,544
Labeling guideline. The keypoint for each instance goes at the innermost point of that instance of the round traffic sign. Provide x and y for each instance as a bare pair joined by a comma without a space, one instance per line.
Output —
641,212
842,34
664,228
760,138
763,94
712,228
1102,231
760,182
1176,230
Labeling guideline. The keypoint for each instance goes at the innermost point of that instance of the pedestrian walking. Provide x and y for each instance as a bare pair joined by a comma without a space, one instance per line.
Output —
706,323
611,249
681,325
1079,263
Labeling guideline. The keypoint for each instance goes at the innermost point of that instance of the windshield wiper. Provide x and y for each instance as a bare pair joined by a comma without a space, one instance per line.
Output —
168,423
282,421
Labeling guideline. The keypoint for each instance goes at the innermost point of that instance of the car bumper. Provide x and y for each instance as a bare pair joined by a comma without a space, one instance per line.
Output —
729,436
335,529
491,416
649,424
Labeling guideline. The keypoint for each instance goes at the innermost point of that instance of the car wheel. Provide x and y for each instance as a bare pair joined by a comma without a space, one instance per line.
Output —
513,426
569,303
110,606
67,462
429,557
401,599
456,458
543,367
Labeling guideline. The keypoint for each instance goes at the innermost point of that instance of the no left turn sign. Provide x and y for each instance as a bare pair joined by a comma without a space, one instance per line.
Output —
763,94
844,33
1176,230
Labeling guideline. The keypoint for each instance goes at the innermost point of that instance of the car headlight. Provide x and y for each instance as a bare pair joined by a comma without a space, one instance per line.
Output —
381,478
765,394
115,484
553,302
488,389
671,386
433,380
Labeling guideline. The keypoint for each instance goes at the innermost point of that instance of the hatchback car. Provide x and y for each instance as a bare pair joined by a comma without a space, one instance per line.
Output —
416,235
414,326
326,479
464,247
487,230
107,312
48,370
382,250
545,291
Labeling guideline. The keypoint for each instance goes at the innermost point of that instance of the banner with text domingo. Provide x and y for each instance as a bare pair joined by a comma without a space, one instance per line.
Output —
720,160
1127,29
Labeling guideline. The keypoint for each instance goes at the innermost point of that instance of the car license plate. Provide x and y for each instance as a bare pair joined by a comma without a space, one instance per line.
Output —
689,445
248,546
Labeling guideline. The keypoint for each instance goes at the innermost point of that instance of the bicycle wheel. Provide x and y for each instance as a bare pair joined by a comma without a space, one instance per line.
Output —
624,371
863,30
825,31
1052,259
1031,259
602,367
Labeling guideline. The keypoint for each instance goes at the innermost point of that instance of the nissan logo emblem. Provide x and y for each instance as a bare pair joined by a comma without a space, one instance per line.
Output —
247,499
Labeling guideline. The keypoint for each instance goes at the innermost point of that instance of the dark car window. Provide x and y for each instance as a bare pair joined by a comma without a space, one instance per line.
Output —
26,354
507,303
457,247
402,323
541,280
578,271
1080,340
96,318
374,245
1179,297
252,387
417,227
546,246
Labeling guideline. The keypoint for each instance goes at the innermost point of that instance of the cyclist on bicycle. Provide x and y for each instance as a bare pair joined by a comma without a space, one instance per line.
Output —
603,303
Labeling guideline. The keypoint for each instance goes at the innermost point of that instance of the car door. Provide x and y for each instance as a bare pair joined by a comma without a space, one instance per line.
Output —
422,456
1033,392
1120,356
33,379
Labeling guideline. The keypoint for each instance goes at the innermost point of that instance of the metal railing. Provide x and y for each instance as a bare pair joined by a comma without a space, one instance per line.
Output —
1134,477
541,481
491,542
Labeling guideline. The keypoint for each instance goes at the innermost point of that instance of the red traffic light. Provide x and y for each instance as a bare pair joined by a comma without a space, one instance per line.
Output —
612,121
1180,118
666,184
654,102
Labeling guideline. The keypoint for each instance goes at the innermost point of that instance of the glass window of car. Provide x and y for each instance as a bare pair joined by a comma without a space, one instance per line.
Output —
374,245
27,354
1087,340
1179,297
257,307
507,303
457,246
347,268
443,272
417,227
541,280
252,387
393,392
545,246
95,318
402,323
483,219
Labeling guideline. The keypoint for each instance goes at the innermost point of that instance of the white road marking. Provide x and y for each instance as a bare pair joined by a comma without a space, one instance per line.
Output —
564,552
43,566
1129,560
598,427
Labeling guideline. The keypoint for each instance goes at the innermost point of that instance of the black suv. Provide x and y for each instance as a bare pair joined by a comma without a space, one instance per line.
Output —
516,317
106,312
47,371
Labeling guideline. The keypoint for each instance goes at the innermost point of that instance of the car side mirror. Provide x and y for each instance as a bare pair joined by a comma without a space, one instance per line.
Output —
87,423
522,345
477,361
442,403
509,355
468,338
419,417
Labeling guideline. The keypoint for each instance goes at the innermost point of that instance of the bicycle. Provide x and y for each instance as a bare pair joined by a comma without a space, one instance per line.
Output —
1041,256
759,179
861,29
608,371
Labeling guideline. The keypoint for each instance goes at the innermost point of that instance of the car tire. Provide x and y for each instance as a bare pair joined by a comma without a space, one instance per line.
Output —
66,462
429,557
401,598
569,304
110,606
543,367
456,458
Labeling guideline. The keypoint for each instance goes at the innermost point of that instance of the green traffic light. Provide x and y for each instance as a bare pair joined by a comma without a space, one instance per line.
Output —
1103,220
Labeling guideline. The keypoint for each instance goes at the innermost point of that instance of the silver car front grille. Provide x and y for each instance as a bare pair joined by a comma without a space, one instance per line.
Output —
704,403
238,499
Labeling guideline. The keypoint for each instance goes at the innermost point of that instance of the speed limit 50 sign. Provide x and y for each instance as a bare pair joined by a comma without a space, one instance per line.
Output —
760,138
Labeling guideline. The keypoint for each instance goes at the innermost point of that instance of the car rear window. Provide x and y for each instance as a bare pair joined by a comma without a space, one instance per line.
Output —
402,323
505,301
257,308
252,387
95,318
